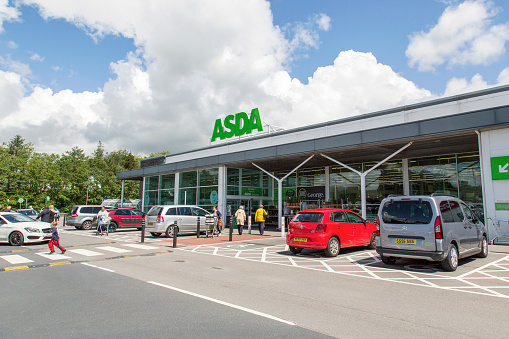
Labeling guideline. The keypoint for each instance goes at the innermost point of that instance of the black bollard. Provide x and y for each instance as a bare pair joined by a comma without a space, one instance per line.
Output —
175,232
231,230
143,230
198,227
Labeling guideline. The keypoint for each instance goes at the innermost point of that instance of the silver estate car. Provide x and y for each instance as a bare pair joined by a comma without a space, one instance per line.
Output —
436,228
159,219
81,216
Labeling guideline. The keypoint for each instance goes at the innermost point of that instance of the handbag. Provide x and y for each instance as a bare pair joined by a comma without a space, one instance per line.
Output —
219,222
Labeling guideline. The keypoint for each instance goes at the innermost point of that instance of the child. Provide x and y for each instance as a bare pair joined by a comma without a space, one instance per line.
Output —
55,239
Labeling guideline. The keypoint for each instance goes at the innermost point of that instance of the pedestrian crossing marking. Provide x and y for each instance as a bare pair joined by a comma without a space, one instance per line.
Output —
113,249
15,259
87,253
53,256
141,247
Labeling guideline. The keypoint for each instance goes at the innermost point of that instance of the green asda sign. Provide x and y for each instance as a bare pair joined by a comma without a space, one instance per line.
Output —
237,125
500,168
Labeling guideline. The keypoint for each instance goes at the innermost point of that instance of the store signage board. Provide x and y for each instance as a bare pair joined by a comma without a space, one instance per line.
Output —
237,125
500,168
252,191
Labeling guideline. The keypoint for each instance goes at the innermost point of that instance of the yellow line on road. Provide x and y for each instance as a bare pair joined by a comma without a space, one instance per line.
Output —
15,268
60,263
25,250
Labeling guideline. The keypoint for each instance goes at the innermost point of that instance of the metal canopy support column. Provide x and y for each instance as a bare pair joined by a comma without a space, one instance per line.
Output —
122,195
280,192
364,174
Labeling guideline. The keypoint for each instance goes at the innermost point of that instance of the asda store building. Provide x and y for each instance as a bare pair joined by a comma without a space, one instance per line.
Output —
456,145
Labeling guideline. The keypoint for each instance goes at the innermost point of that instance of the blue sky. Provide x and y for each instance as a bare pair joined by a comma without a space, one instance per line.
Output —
114,70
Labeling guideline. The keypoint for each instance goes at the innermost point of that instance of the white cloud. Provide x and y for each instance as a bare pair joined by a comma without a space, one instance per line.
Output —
7,13
11,45
503,77
463,35
36,57
15,66
196,61
463,85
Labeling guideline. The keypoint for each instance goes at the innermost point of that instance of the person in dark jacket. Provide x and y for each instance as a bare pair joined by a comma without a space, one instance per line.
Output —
55,239
44,215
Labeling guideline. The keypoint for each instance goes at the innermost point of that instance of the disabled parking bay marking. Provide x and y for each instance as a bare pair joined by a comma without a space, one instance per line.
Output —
15,259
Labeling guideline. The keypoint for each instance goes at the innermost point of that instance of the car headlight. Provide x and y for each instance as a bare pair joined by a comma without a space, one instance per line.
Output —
32,230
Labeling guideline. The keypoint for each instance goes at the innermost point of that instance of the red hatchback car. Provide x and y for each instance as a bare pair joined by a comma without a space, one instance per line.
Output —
329,229
125,217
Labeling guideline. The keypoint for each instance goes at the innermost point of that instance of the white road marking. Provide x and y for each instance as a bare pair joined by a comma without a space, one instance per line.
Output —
241,308
482,267
113,249
53,256
87,253
94,266
15,259
141,247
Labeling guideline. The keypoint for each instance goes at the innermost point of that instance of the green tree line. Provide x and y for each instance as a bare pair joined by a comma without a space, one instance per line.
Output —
65,178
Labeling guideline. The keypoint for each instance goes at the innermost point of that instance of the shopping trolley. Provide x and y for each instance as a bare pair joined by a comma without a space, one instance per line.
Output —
103,227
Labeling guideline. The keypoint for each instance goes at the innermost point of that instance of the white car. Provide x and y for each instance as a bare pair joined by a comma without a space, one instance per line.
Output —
18,229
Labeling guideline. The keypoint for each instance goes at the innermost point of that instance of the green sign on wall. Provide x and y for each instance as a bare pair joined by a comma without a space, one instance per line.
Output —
500,168
252,191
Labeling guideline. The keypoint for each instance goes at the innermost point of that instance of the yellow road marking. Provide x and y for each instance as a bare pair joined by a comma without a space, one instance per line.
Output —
59,263
15,268
25,250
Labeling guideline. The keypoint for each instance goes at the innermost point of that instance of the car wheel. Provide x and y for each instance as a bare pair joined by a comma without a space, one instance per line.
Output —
333,247
155,234
388,260
450,263
484,248
295,250
169,231
16,238
139,228
372,242
113,227
86,225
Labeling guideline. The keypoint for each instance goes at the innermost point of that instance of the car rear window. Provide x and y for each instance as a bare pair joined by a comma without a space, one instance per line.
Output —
86,209
74,209
155,211
407,212
308,217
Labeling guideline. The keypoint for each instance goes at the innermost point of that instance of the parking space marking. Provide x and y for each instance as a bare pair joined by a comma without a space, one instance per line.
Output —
15,259
491,279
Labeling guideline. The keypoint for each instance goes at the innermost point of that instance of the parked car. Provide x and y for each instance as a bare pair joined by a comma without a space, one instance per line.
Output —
18,229
123,218
329,229
81,216
29,212
436,228
159,219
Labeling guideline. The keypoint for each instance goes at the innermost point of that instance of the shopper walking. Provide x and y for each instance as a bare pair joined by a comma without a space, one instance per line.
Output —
218,222
260,217
8,209
55,239
240,217
44,215
103,217
52,213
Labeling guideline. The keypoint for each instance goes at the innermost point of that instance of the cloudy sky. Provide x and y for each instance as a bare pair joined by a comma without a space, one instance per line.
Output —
154,75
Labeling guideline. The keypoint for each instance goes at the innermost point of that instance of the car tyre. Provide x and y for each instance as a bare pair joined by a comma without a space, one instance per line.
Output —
484,248
295,250
155,234
169,231
86,225
16,238
372,242
113,227
388,260
450,263
333,247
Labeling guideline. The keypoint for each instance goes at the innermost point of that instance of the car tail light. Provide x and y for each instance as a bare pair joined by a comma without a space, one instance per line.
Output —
160,218
438,228
377,222
321,228
75,215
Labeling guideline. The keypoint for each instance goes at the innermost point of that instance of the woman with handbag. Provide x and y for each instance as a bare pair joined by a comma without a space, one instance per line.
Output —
260,217
217,220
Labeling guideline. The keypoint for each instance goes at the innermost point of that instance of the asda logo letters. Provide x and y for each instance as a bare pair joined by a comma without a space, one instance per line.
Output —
237,125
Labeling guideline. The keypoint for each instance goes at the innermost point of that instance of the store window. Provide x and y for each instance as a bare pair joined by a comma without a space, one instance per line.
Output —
188,179
167,181
311,177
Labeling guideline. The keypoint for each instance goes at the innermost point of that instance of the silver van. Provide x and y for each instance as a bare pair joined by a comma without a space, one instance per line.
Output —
159,218
81,216
436,228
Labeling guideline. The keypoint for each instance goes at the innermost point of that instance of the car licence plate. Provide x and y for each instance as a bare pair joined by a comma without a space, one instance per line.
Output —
150,223
406,241
300,239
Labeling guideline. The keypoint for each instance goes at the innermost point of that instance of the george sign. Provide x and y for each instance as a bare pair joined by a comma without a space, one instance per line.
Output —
500,168
20,200
237,125
251,191
311,193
